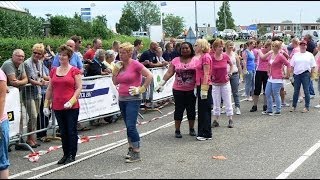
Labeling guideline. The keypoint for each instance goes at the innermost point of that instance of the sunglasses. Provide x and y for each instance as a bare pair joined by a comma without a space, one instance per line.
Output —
37,53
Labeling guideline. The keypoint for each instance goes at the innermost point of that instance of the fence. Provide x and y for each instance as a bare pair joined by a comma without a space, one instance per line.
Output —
98,99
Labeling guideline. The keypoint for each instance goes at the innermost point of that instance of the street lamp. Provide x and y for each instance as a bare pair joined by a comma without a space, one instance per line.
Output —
92,5
195,11
46,25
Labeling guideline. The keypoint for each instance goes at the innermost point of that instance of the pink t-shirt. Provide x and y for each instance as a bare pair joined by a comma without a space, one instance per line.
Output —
63,88
220,69
263,63
185,78
3,77
130,77
203,60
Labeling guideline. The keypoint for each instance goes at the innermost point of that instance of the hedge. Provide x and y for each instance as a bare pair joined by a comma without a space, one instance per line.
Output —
7,45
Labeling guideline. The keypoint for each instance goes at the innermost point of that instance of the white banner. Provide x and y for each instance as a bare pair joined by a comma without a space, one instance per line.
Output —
98,97
13,109
158,74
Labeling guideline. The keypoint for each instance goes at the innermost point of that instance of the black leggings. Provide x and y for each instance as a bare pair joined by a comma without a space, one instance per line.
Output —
260,80
184,100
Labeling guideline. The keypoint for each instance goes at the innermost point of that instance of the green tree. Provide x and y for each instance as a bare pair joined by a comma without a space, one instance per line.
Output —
59,25
318,20
127,23
173,25
225,20
147,12
100,29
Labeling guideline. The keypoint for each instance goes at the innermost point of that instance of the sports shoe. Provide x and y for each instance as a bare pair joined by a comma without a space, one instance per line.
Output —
199,138
62,160
275,114
265,107
238,112
230,125
178,134
135,157
69,159
222,111
312,96
243,95
253,109
317,106
285,105
265,112
304,110
215,124
130,150
250,98
192,132
293,109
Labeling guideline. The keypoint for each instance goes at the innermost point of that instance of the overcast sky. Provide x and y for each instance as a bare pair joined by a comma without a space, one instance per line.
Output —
243,12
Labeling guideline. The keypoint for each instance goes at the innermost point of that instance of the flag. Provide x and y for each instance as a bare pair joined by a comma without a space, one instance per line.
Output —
163,3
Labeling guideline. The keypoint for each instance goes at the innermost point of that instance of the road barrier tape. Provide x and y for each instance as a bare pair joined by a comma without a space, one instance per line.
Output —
34,157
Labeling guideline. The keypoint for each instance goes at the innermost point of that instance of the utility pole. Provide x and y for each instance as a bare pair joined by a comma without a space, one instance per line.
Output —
225,18
215,20
300,28
195,11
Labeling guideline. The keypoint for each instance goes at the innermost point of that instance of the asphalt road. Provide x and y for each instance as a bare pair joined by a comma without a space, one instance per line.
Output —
258,147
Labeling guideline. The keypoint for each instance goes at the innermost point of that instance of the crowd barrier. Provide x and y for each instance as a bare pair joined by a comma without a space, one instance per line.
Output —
98,99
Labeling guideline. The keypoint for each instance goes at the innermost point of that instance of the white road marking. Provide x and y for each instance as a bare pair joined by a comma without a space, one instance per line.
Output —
120,172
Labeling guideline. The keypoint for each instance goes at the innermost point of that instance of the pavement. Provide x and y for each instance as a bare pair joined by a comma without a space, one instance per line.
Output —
258,147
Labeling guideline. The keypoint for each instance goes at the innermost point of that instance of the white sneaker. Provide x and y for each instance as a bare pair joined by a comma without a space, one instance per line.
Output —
250,98
312,96
223,111
317,106
243,95
201,138
238,112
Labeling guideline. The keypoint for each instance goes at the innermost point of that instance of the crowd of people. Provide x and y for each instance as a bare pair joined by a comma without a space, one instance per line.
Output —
206,73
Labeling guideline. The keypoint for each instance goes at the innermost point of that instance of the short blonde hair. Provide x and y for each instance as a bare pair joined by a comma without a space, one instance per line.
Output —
217,42
39,47
277,44
203,45
127,47
228,43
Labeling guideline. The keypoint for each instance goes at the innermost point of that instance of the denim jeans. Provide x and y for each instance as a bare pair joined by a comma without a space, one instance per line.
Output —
204,114
129,111
273,89
249,80
4,141
234,82
304,79
311,89
67,121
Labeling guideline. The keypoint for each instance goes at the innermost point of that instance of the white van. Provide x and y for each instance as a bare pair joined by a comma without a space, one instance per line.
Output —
315,34
140,34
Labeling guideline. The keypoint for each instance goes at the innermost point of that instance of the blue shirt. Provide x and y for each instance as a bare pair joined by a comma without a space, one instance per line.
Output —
74,61
250,61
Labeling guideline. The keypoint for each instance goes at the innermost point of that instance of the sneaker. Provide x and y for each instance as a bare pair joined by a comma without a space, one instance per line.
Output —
265,107
253,109
192,132
130,150
238,112
230,125
250,98
304,110
62,160
312,96
215,124
300,100
293,109
275,114
285,105
199,138
69,160
274,105
243,95
266,112
178,134
223,111
135,157
209,138
317,106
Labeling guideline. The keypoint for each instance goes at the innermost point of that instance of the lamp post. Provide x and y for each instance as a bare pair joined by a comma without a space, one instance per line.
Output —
195,11
215,20
225,18
46,25
92,5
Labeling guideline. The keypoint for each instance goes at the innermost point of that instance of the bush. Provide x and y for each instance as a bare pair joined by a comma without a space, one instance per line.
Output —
7,45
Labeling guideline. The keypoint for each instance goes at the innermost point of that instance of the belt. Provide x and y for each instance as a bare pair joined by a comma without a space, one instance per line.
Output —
234,73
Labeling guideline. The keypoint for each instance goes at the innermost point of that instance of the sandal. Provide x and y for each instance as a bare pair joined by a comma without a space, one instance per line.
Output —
304,110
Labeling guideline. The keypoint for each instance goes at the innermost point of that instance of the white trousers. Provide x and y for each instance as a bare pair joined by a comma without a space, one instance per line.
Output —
224,92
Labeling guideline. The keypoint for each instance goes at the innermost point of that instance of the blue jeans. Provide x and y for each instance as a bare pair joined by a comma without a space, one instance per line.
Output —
4,144
234,82
67,121
249,80
273,89
304,79
311,89
129,111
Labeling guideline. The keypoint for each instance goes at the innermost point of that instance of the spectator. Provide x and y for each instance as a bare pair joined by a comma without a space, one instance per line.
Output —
35,71
98,67
128,75
160,59
115,48
168,55
63,91
149,57
184,69
312,48
89,55
88,46
176,51
78,42
4,145
137,48
109,62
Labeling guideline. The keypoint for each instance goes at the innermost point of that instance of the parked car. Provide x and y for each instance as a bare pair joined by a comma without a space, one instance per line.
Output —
229,34
244,35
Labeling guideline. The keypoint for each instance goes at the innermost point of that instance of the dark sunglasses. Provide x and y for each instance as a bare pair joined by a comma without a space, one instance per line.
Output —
37,53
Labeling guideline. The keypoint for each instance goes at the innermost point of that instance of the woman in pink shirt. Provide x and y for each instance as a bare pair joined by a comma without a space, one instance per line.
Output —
63,91
275,80
221,82
204,88
128,73
184,68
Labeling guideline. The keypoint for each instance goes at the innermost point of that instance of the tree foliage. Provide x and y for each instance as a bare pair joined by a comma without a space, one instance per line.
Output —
318,20
173,25
147,12
224,12
128,22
